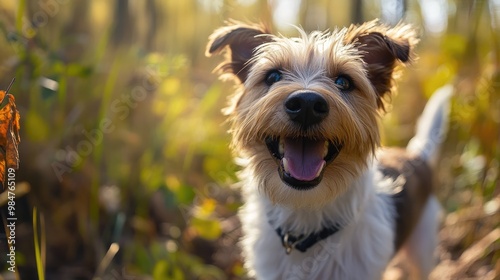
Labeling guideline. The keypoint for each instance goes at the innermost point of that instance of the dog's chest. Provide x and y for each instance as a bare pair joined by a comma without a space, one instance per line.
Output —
361,250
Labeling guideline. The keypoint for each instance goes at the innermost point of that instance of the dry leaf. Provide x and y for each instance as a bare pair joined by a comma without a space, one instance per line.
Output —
9,135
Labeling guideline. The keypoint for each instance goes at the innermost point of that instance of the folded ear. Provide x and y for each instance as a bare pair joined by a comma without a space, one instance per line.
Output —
240,41
382,48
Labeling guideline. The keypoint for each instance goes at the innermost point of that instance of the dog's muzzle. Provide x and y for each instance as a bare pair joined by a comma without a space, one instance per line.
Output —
302,159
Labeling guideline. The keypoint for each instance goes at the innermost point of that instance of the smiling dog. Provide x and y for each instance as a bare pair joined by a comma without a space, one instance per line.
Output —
322,200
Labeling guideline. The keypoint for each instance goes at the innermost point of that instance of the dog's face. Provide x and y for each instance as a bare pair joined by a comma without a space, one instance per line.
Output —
305,115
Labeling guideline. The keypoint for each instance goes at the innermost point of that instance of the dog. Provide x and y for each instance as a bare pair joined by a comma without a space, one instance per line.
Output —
323,200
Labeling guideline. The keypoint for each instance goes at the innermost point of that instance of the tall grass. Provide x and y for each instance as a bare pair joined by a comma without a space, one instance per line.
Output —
156,186
40,244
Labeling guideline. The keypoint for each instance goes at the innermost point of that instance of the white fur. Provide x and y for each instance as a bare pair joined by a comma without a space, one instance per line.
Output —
360,250
432,125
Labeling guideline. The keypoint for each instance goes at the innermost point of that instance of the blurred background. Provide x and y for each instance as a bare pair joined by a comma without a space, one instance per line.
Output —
125,171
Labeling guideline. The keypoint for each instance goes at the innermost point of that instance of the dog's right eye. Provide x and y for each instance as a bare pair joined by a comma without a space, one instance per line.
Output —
344,82
273,76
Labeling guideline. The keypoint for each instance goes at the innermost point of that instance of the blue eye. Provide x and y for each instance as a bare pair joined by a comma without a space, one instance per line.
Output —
344,82
273,76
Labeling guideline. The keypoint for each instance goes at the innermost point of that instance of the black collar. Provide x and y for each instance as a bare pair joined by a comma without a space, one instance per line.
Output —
303,242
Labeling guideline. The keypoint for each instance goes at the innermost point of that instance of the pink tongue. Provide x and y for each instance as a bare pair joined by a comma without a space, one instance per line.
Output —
304,157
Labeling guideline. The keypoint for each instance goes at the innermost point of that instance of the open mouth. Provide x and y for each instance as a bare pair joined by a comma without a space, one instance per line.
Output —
302,160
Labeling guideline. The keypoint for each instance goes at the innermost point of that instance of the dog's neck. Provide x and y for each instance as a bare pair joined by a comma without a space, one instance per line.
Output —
341,211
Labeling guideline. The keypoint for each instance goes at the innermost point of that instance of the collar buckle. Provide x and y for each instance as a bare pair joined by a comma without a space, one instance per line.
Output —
289,242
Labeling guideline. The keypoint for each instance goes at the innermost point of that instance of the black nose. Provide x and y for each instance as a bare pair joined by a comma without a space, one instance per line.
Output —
306,108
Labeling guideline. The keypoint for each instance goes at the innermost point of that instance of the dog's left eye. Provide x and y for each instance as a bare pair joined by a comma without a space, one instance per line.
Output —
343,82
273,76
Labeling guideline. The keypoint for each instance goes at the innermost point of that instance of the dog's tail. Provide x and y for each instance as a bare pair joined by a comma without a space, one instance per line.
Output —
432,126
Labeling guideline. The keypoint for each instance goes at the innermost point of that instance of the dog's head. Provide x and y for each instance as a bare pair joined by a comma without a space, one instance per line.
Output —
305,114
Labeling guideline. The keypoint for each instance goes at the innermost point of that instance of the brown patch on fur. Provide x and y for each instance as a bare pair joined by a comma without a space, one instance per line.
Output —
382,48
241,41
412,191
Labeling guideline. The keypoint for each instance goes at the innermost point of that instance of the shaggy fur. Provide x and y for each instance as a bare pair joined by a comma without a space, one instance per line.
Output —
353,190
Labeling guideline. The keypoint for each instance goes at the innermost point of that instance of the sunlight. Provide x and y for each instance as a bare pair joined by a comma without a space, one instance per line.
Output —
495,13
285,13
435,15
392,10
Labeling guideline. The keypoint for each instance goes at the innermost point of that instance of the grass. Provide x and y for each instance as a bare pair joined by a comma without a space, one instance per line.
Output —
40,244
153,198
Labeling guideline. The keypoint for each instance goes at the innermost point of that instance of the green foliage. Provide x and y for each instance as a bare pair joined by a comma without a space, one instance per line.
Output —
124,141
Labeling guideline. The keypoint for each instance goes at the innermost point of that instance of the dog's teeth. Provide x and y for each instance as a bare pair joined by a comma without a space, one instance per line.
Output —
325,149
281,147
321,169
285,165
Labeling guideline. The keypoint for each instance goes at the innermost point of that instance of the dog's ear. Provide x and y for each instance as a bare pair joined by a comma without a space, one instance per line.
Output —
240,41
382,48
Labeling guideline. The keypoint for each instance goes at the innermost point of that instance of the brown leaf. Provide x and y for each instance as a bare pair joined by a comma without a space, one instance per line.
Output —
9,135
